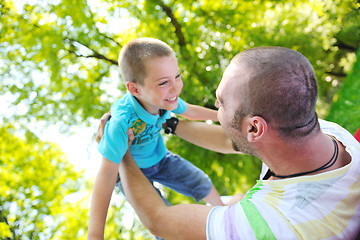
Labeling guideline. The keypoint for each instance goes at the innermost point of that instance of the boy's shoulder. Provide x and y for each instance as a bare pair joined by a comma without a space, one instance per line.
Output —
123,112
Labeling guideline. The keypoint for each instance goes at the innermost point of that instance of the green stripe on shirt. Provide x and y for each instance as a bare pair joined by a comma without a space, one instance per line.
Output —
258,224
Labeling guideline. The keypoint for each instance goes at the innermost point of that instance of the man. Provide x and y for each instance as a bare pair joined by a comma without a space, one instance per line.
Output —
310,181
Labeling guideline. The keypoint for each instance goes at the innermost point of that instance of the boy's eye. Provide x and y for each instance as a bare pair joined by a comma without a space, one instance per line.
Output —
163,83
177,76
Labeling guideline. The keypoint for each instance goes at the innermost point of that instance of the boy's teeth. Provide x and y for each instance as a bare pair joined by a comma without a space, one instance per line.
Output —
172,99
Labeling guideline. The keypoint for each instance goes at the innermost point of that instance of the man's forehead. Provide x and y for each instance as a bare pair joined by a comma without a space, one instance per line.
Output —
223,89
219,89
228,78
233,80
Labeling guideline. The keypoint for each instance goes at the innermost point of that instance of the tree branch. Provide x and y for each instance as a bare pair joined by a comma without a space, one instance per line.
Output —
94,55
344,46
336,74
174,21
98,30
109,38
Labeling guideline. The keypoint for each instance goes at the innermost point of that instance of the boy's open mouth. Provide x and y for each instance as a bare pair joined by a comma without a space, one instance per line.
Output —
172,99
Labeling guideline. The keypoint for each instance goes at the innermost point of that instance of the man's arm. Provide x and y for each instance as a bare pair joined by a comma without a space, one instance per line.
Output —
209,136
187,221
102,191
195,112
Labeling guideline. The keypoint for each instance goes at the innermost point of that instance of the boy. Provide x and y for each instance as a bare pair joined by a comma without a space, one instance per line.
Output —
152,77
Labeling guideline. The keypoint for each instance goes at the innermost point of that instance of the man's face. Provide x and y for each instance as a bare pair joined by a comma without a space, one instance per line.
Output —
228,98
162,84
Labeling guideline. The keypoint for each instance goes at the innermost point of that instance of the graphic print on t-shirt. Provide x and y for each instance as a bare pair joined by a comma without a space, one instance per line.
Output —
138,126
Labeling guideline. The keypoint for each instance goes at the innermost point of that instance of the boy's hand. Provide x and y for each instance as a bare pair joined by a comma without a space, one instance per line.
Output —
103,121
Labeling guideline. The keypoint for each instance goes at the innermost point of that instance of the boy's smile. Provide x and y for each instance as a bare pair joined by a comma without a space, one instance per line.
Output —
173,99
162,85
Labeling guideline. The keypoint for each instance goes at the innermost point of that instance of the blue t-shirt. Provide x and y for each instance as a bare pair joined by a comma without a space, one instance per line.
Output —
148,147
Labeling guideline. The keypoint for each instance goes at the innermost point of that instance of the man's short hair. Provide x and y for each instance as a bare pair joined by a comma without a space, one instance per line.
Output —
281,88
133,56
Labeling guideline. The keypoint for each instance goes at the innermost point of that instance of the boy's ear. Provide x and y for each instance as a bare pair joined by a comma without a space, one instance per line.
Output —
133,88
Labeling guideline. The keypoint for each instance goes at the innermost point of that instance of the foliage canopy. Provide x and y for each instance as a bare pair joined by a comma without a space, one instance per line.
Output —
58,61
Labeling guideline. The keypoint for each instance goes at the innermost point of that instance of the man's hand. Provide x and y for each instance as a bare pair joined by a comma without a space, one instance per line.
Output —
130,135
103,121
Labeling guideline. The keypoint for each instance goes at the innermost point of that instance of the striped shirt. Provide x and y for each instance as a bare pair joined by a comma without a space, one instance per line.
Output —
322,206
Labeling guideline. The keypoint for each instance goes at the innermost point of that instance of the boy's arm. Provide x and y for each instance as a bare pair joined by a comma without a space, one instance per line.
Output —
195,112
102,191
209,136
204,135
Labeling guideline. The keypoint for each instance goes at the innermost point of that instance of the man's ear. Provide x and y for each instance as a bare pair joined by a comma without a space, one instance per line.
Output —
256,128
133,88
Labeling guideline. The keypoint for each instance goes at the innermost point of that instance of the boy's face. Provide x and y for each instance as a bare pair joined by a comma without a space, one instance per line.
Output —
162,85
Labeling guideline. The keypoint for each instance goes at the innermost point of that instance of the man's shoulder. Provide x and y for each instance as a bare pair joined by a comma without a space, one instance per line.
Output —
332,128
326,124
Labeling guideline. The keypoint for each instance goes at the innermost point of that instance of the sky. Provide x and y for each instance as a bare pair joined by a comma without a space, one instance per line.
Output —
79,147
78,144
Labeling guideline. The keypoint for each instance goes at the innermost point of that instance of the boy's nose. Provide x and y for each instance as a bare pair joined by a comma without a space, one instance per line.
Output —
174,85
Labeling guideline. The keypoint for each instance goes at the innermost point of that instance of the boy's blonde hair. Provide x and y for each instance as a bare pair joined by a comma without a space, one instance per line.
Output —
133,56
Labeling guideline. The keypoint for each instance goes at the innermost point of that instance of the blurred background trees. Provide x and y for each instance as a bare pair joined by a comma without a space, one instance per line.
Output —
58,64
